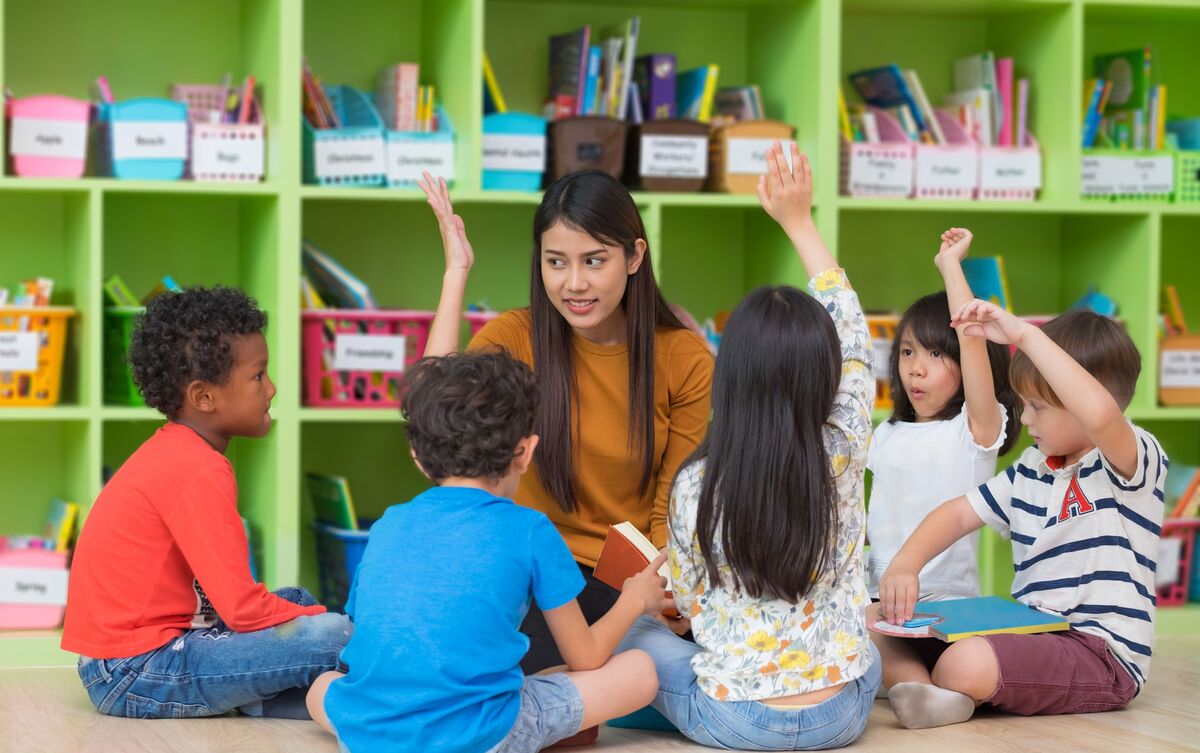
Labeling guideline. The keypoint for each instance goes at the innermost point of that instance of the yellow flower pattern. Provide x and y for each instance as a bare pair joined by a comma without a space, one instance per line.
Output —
762,648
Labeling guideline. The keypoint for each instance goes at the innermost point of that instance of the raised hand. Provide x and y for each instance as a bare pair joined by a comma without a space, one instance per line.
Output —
459,254
955,243
787,195
984,319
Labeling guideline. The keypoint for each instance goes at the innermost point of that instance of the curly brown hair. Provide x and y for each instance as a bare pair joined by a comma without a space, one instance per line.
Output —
466,412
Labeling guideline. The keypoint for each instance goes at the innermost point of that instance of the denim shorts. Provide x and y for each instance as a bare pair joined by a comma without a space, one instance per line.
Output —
551,710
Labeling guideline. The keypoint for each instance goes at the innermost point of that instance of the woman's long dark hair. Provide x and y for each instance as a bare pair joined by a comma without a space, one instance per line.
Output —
776,376
928,322
597,204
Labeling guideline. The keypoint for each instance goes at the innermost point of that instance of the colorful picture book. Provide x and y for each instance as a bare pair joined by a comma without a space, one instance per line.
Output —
955,619
493,98
655,79
985,275
696,91
333,282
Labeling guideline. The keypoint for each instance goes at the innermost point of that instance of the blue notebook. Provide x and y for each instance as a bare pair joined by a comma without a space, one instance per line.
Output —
982,615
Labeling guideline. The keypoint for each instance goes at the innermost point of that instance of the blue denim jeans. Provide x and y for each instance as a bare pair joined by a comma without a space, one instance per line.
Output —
748,725
212,671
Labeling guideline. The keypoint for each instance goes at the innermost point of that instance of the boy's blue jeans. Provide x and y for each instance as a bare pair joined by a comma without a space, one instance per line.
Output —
748,725
213,671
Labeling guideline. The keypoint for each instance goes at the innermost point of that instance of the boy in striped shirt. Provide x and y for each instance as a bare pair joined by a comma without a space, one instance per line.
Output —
1083,508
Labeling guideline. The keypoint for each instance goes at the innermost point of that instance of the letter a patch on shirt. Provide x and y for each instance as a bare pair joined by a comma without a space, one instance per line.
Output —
1074,503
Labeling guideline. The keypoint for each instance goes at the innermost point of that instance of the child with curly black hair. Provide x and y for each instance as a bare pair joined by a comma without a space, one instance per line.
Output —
462,561
161,605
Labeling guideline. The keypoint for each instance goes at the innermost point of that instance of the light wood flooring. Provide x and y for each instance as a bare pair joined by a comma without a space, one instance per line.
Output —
46,710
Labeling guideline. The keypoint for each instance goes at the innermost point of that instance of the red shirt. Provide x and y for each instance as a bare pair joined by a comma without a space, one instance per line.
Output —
164,551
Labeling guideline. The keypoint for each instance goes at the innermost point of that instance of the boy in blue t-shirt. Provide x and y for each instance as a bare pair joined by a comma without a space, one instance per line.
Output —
434,662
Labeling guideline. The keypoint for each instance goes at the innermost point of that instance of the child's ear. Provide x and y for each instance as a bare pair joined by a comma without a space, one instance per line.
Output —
523,456
639,255
199,395
417,463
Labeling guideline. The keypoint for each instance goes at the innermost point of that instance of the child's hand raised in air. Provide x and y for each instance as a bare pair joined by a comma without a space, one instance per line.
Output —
459,255
649,588
787,195
983,319
955,243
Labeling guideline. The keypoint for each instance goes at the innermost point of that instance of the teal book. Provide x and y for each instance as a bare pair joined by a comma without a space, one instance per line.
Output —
954,619
985,275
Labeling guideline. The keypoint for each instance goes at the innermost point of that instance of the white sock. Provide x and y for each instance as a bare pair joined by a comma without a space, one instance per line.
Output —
920,706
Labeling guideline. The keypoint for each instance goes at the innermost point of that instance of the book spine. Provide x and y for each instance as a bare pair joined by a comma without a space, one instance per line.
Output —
662,88
1004,83
1022,137
407,84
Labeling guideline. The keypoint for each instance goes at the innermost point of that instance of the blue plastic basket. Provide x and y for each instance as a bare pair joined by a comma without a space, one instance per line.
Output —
162,113
339,553
418,145
360,123
530,128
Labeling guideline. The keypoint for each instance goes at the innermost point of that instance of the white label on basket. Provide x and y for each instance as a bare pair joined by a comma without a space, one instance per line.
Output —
46,586
149,139
1004,169
406,160
216,155
1179,369
1170,551
369,353
749,156
64,139
19,351
947,168
881,173
1104,175
881,357
347,158
512,153
673,157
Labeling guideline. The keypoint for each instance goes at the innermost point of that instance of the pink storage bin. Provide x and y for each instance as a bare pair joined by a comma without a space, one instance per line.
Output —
883,170
950,170
221,151
1011,173
361,386
33,589
48,135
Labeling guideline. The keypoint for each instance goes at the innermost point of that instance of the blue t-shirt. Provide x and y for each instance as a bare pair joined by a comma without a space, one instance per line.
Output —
435,657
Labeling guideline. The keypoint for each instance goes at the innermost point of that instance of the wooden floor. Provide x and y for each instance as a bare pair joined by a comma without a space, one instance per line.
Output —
43,710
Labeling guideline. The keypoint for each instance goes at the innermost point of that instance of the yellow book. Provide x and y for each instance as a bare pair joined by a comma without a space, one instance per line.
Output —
1160,138
491,86
710,93
844,116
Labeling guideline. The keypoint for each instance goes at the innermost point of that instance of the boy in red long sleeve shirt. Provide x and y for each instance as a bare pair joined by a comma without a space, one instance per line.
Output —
161,605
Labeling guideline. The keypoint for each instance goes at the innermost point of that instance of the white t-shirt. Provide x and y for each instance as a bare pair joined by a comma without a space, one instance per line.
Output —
916,467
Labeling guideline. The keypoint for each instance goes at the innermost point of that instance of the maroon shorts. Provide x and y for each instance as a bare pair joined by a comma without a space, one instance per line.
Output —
1071,672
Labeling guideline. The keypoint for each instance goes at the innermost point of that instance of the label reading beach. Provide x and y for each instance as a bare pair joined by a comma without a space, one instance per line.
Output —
1180,369
406,160
510,153
749,156
216,155
136,139
19,351
34,137
369,353
1005,170
881,173
673,157
949,168
345,158
33,585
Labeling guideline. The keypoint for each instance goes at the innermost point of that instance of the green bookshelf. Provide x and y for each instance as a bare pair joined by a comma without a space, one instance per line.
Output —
708,249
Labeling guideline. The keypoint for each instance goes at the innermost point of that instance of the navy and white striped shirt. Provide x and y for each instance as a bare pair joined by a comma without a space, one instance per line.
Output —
1084,542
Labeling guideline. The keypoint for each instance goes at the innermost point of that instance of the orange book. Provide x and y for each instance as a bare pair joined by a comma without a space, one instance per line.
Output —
1189,501
626,552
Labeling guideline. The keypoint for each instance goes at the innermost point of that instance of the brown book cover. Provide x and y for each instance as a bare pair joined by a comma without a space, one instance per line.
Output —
626,553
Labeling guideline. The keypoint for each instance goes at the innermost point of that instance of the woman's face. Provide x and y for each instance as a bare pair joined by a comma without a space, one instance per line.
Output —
585,281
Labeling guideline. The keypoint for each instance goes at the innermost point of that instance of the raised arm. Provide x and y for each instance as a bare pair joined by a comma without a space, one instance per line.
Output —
1080,393
443,335
787,197
984,415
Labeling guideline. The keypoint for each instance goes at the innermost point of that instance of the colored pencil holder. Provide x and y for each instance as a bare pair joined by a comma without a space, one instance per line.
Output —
143,139
1011,173
737,153
37,336
589,142
950,170
668,155
48,136
221,151
33,589
1127,175
119,388
882,170
409,153
352,155
514,151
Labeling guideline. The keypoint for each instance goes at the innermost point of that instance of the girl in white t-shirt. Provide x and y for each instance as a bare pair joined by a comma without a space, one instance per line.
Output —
954,414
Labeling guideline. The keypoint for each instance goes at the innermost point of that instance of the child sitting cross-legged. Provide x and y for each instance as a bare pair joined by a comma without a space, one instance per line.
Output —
446,579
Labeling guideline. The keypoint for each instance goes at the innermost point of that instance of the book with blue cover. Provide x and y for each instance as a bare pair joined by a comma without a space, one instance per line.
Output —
885,87
985,275
954,619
